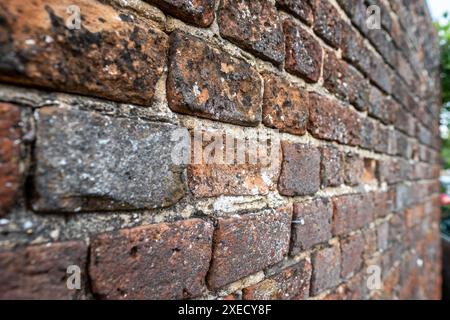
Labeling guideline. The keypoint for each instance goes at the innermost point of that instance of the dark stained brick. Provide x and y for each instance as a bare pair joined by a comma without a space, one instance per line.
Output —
217,87
327,22
300,170
260,239
119,57
285,107
162,261
326,269
303,52
253,25
352,249
299,8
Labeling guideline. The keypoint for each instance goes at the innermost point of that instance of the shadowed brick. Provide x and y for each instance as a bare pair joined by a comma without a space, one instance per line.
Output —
253,25
260,239
162,261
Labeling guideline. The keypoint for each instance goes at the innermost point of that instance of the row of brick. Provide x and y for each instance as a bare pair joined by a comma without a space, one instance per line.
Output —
130,164
220,87
180,259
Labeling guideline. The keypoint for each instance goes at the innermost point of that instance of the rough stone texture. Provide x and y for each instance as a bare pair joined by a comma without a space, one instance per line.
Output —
331,121
219,87
162,261
285,107
299,8
87,161
291,283
311,224
353,169
303,52
347,213
261,239
114,54
327,22
199,12
300,170
40,272
352,249
10,135
326,269
253,25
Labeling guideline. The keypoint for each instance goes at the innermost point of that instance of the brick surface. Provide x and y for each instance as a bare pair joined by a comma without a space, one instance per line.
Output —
254,26
332,167
199,13
10,175
326,269
291,283
300,170
114,55
303,52
219,88
346,213
87,161
162,261
40,271
285,107
327,22
301,9
311,224
352,249
331,121
353,169
261,239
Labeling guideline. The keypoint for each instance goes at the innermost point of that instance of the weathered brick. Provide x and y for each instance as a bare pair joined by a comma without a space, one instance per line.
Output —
114,55
311,224
260,239
285,107
40,271
380,107
353,169
331,121
347,213
326,269
300,170
87,161
162,261
303,52
10,173
219,87
327,22
354,50
384,45
199,13
291,283
299,8
332,167
352,249
254,26
345,81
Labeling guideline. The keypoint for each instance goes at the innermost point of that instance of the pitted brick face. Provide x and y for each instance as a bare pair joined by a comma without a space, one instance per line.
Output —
206,82
253,25
299,8
199,12
114,55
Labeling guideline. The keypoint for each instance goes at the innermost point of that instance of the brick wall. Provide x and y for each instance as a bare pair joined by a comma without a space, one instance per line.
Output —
88,128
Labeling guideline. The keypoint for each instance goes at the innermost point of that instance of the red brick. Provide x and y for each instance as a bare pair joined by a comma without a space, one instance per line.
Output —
332,167
380,107
115,55
303,52
199,13
291,283
299,8
162,261
326,269
40,271
260,239
10,175
353,169
285,107
327,22
218,88
300,170
330,121
311,224
345,81
254,26
352,249
346,213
